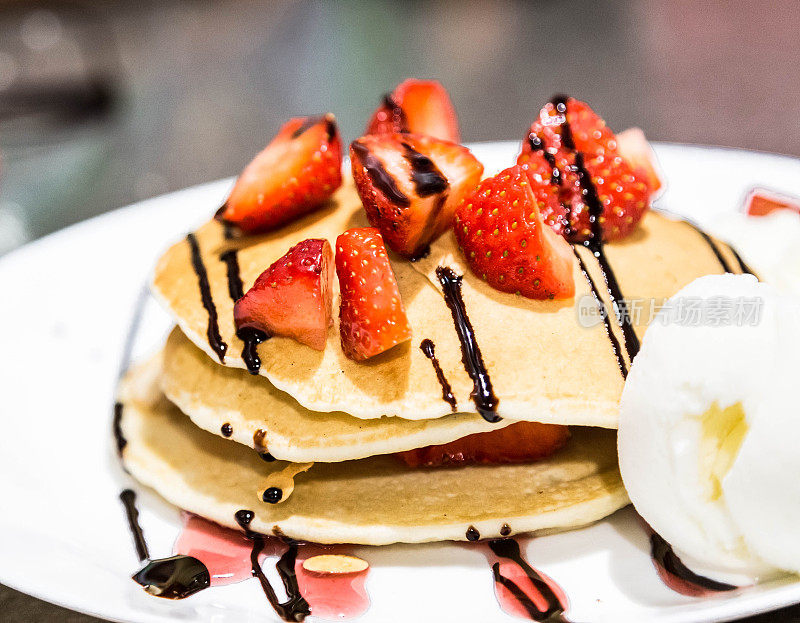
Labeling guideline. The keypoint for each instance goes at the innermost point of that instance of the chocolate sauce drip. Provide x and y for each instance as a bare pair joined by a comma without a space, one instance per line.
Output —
260,441
379,175
742,266
505,530
214,338
295,608
272,495
473,534
426,251
509,549
235,286
428,347
482,393
595,244
665,556
310,122
117,427
128,498
560,104
606,320
399,120
266,456
226,430
176,577
229,230
251,336
427,178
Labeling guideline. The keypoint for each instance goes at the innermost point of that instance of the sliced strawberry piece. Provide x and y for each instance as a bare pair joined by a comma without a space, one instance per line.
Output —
499,226
372,318
295,174
293,296
581,158
637,152
521,442
417,106
761,202
410,185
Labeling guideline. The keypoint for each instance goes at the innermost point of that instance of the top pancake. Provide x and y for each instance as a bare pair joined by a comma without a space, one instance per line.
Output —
543,364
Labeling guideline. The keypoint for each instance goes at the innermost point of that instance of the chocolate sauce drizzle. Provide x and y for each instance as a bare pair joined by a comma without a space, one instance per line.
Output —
427,346
310,122
742,266
623,368
251,336
295,608
713,246
399,120
509,549
214,338
482,393
117,427
175,577
665,556
427,178
379,175
595,243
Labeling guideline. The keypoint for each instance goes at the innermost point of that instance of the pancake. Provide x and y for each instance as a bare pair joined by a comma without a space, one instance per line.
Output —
269,420
571,374
372,501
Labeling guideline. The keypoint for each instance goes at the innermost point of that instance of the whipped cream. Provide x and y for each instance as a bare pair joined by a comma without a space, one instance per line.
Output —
709,431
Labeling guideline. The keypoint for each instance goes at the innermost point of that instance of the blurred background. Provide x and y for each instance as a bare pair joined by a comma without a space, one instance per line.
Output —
106,103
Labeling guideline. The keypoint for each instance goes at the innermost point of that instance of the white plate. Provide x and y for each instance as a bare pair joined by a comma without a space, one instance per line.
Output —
65,305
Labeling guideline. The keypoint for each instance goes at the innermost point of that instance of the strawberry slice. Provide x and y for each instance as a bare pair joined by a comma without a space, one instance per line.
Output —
761,202
295,174
372,318
521,442
637,152
293,296
410,185
499,226
571,148
418,106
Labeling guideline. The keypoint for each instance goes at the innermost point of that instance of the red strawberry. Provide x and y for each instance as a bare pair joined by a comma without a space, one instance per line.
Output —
761,202
571,148
499,226
372,318
295,174
410,185
518,443
637,152
418,106
293,296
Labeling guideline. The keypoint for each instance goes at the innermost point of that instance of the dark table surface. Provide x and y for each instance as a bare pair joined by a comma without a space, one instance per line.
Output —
164,95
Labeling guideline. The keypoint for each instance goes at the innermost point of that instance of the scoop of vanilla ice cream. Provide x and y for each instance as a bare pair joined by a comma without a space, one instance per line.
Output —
709,431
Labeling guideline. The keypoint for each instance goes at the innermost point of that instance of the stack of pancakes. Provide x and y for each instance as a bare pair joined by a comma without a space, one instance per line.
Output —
320,430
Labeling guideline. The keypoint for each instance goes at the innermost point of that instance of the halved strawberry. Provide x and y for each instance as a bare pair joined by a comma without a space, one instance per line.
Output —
295,174
410,185
581,158
521,442
418,106
372,318
293,296
761,202
500,229
637,152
